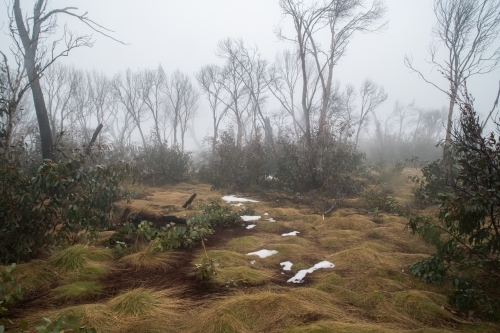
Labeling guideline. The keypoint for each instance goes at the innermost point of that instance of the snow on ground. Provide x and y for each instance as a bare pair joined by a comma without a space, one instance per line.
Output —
237,205
293,233
252,262
271,220
248,218
286,265
251,226
263,253
232,198
299,277
266,214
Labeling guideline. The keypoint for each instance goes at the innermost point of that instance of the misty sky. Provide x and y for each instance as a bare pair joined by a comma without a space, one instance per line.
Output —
183,35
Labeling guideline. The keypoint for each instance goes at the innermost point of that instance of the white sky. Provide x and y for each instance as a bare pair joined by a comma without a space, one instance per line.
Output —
183,34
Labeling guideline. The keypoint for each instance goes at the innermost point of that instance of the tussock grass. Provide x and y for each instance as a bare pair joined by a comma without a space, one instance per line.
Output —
35,274
342,327
76,290
138,310
242,275
245,244
145,260
225,258
264,312
72,258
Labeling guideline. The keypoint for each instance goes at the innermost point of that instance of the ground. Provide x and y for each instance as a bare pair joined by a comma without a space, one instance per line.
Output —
370,288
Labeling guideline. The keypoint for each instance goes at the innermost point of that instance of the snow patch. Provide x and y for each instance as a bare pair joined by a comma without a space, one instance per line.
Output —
251,226
299,277
293,233
237,205
271,220
266,214
232,198
263,253
248,218
286,265
252,262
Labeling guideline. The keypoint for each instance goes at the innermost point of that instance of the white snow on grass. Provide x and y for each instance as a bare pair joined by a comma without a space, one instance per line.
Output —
248,218
286,265
299,277
251,226
252,262
263,253
271,220
232,198
266,214
293,233
237,205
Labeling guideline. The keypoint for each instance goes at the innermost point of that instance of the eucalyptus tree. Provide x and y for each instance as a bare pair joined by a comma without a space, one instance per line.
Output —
338,21
468,31
210,81
30,35
372,96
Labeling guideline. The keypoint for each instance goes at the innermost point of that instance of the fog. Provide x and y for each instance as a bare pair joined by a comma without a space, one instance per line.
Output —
183,35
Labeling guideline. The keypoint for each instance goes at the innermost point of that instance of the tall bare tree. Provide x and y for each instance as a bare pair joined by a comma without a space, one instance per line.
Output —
153,86
467,29
339,20
128,92
210,81
29,35
372,96
283,77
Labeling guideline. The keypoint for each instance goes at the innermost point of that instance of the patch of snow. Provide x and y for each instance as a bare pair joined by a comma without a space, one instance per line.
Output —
252,262
266,214
293,233
251,226
299,277
263,253
237,205
232,198
286,265
248,218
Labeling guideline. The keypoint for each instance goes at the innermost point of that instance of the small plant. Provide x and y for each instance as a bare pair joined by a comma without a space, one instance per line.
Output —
69,323
10,291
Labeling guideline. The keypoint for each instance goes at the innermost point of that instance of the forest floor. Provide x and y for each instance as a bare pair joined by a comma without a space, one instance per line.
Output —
369,289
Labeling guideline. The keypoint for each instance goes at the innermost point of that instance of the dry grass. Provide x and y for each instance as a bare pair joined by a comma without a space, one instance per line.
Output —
145,260
370,290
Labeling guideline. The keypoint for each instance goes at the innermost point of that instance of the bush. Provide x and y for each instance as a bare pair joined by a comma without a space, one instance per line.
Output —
469,216
161,164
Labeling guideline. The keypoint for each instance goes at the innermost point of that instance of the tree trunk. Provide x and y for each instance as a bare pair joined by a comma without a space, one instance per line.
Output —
447,159
42,117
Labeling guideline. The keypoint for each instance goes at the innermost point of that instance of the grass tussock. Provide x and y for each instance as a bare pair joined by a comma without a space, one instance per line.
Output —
145,260
77,290
241,276
263,311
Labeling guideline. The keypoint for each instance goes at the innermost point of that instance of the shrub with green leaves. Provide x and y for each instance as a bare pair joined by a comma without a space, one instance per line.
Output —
468,248
10,291
161,164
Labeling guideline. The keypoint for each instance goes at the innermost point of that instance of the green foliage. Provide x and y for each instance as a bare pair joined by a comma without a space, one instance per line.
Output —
215,214
339,161
161,164
432,184
69,323
206,269
55,201
431,270
10,291
468,240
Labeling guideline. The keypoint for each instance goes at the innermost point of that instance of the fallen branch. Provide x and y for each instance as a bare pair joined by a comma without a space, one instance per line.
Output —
190,200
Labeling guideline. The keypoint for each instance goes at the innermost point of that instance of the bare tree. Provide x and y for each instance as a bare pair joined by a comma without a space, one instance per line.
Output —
128,92
190,106
467,30
210,81
28,34
372,96
341,19
13,96
153,86
283,77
